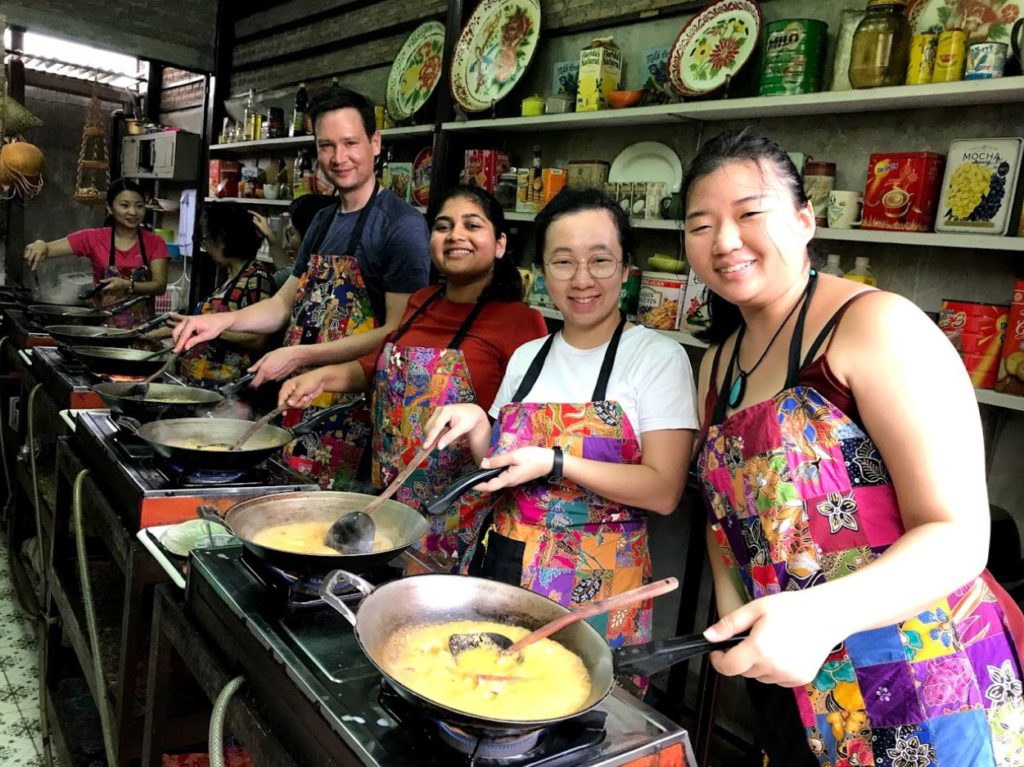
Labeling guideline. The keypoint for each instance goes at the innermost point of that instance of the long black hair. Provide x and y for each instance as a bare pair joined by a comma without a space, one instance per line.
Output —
303,209
570,201
232,226
738,146
506,283
121,185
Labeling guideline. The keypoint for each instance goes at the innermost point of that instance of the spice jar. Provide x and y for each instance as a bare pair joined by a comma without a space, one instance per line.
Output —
881,45
819,180
505,190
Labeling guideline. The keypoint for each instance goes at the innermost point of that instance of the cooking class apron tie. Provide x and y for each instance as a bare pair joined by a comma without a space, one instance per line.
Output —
797,496
560,539
332,303
409,384
138,313
214,363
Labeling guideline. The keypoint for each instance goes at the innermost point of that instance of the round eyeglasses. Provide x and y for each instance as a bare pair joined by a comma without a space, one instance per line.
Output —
600,268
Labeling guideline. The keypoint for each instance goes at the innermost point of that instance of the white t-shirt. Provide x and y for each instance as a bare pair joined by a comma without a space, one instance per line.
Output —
652,380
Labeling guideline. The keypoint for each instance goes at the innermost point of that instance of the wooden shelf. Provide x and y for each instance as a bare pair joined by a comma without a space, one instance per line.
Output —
679,337
290,142
960,94
410,131
638,223
249,200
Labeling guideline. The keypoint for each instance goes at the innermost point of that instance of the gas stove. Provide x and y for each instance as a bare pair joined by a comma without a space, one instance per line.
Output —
148,491
24,332
314,653
66,381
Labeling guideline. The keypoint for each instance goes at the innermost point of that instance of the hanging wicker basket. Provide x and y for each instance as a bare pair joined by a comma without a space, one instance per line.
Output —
93,176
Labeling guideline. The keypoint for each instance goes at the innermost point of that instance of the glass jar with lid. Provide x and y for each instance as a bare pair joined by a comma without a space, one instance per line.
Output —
881,45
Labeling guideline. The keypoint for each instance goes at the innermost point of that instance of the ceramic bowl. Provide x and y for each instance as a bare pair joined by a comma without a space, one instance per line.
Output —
623,99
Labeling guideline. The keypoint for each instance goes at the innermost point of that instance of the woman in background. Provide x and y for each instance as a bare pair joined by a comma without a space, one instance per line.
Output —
300,216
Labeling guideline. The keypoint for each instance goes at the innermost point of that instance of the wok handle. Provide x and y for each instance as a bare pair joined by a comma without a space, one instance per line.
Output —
119,306
315,420
236,386
149,325
648,659
330,586
440,502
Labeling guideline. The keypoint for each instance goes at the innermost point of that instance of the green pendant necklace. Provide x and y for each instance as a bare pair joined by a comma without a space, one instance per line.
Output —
739,386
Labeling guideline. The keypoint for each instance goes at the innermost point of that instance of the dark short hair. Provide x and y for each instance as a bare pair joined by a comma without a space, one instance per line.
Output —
506,283
343,98
123,185
570,201
303,209
232,226
743,145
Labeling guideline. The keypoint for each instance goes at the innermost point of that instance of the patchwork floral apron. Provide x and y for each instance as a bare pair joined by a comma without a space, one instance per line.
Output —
217,362
409,384
137,313
559,539
331,303
798,495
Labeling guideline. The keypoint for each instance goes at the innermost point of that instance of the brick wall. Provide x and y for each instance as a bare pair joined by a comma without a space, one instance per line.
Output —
179,32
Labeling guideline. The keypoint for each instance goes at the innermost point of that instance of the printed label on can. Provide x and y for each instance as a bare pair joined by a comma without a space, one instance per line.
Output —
793,57
661,294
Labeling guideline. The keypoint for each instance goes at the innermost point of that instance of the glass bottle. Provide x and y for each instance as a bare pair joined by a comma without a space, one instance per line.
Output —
253,118
298,127
299,187
385,170
861,272
832,267
881,45
536,191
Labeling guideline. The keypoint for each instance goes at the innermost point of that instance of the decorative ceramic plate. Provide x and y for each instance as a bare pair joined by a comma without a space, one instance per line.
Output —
493,51
416,70
982,19
714,45
647,161
421,176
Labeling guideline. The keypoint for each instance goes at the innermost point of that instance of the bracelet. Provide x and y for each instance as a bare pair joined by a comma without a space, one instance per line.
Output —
557,460
131,286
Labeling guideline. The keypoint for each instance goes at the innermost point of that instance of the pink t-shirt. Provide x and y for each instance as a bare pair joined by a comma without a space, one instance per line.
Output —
94,244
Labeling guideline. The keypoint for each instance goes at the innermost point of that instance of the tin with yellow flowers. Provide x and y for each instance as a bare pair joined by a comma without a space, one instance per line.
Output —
979,185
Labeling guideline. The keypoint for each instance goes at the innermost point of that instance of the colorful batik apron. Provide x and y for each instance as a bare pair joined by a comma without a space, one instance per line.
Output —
331,303
139,312
217,362
559,539
409,384
798,495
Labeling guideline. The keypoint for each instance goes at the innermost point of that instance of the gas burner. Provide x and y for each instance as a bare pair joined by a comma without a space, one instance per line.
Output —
126,423
499,747
208,477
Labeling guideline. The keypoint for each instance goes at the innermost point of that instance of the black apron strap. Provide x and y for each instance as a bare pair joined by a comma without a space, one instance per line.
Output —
829,327
230,284
357,232
601,388
404,327
533,372
112,257
722,402
464,328
793,366
321,233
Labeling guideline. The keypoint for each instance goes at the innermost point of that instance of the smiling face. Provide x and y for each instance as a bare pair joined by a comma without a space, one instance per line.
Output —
463,245
584,240
128,209
345,151
745,236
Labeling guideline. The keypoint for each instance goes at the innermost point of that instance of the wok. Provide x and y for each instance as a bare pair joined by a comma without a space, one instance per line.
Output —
110,360
159,401
202,443
98,335
49,314
422,599
402,524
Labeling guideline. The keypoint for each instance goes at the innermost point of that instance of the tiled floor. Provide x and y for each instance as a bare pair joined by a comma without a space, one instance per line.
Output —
20,741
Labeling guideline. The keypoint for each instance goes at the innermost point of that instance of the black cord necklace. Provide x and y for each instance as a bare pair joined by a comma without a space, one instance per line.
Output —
739,386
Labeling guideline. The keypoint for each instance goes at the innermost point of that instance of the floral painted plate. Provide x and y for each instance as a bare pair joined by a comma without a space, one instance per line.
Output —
493,51
714,45
416,70
981,19
421,171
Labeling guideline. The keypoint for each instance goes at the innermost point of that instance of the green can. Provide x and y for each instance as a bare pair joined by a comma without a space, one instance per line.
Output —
794,56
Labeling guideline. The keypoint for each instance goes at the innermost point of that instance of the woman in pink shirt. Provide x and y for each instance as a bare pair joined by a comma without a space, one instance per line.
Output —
126,258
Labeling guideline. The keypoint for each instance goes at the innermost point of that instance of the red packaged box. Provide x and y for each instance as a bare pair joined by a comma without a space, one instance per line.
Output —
224,175
980,346
1010,379
902,191
484,167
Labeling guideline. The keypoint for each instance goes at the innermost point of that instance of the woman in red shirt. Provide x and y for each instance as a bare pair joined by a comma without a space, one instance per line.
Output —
452,345
126,258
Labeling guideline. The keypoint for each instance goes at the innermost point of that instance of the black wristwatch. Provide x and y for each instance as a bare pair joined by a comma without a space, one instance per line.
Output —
556,464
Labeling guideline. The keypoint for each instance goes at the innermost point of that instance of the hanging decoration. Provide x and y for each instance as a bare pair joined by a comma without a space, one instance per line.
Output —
93,175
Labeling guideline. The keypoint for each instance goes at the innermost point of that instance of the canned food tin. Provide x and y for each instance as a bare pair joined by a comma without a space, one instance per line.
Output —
949,56
794,53
985,60
922,59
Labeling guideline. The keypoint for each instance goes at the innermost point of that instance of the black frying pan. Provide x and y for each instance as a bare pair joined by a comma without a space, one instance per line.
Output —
49,314
109,360
98,335
203,443
159,401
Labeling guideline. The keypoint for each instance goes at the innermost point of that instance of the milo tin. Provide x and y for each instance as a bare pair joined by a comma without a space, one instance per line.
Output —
794,54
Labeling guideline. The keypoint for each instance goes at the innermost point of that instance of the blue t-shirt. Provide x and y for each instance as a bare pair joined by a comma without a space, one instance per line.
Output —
393,254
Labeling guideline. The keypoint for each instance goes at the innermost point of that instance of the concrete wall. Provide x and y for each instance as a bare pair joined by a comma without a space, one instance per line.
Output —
179,32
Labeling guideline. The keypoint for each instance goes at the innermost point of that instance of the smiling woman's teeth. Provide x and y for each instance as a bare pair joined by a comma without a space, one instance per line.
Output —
736,268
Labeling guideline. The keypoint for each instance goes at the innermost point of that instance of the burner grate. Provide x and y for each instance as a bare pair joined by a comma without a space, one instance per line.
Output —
481,747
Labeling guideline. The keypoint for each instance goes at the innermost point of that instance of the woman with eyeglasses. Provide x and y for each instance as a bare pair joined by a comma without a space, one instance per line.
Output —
594,423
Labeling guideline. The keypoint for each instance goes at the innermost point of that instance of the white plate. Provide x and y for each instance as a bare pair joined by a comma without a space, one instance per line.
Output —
648,161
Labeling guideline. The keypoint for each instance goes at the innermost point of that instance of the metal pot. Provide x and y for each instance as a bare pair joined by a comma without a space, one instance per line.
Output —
402,524
159,401
441,598
202,443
